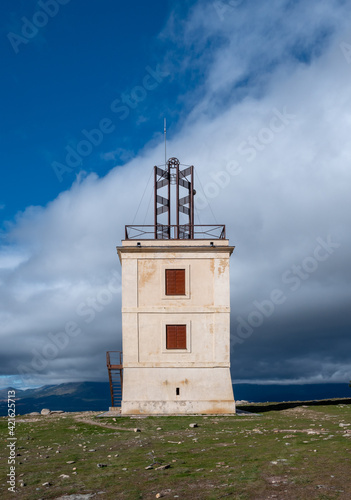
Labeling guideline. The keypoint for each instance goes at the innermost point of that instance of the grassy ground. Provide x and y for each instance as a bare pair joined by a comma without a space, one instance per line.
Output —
298,453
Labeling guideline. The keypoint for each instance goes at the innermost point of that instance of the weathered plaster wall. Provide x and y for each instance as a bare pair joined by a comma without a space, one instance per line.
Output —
201,371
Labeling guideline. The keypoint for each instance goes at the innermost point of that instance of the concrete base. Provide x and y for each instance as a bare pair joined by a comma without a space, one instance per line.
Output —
113,411
177,391
178,408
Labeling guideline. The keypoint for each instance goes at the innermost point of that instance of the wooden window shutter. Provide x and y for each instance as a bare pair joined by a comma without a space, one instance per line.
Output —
175,281
176,337
181,336
171,337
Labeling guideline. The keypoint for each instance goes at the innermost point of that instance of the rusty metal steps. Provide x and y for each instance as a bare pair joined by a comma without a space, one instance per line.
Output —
115,375
116,388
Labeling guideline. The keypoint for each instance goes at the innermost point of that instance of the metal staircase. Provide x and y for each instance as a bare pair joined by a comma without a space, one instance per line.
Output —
114,361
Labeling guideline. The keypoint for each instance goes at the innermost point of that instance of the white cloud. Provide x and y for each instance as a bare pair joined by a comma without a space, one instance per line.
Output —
119,154
11,258
291,190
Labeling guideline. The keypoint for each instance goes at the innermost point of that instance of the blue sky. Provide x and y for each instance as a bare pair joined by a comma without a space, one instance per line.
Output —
256,96
64,79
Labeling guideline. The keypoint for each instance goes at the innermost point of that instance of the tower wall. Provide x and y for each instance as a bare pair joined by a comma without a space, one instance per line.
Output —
195,378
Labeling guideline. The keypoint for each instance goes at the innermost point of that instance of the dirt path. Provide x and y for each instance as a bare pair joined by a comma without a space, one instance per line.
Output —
79,418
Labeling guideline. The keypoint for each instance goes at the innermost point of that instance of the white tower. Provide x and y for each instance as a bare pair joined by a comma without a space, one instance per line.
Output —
175,308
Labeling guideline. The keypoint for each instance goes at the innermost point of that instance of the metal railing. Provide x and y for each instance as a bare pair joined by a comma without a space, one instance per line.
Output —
175,232
114,360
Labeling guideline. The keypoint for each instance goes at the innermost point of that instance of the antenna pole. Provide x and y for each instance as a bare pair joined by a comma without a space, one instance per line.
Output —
165,133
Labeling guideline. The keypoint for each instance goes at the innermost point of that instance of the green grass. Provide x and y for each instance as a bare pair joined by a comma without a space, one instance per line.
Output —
278,454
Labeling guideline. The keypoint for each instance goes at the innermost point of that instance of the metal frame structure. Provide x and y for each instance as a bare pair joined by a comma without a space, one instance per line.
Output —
182,231
183,179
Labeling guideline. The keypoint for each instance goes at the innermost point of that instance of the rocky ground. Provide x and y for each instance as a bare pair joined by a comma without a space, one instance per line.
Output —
297,453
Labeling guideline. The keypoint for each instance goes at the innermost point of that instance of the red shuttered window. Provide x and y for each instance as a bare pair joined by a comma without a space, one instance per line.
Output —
176,337
175,281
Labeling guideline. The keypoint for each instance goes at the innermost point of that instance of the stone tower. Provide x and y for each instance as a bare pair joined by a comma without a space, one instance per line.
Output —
175,307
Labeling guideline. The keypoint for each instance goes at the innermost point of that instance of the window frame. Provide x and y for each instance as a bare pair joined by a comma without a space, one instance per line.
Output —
172,270
167,333
173,319
176,265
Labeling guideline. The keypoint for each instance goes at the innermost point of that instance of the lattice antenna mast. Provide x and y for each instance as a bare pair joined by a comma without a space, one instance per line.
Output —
184,200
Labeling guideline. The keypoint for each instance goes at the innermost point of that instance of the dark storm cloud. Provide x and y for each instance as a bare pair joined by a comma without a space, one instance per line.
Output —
274,162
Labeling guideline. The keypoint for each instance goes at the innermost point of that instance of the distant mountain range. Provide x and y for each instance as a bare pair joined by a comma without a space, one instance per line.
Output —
75,396
95,396
262,393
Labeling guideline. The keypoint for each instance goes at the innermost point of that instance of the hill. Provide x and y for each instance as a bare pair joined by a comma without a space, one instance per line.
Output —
299,453
75,396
